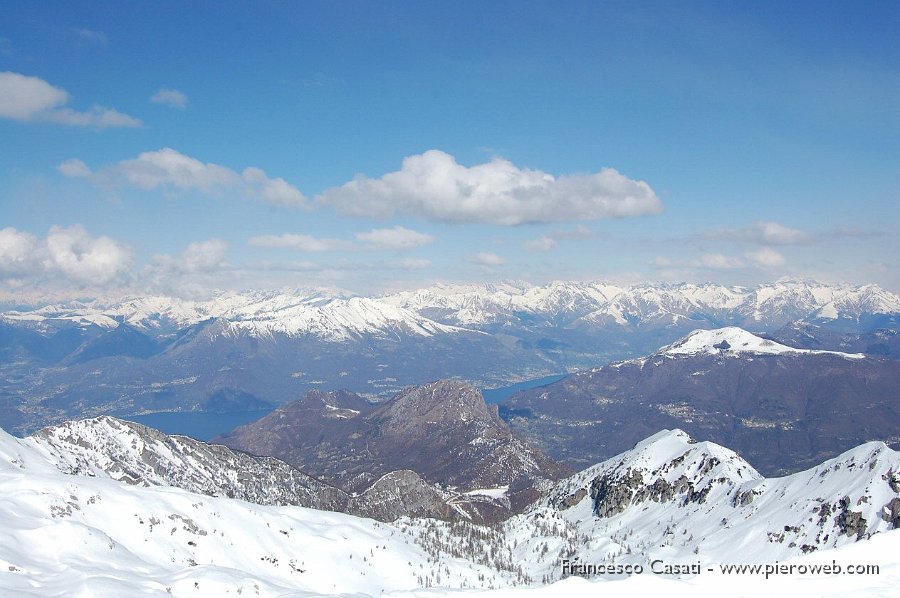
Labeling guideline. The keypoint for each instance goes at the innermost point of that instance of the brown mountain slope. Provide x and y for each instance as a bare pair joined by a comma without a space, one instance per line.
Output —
443,431
783,413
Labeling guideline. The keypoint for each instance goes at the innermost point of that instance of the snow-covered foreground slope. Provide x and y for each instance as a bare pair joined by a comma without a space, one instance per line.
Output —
68,535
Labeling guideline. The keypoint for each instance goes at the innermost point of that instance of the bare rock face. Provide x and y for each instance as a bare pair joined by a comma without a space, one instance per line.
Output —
443,431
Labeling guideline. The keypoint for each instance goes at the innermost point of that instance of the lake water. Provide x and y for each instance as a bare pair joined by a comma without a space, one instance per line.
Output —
498,395
202,426
205,426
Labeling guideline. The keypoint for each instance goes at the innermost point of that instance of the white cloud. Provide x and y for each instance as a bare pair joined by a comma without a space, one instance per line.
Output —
81,257
67,256
766,257
198,257
74,168
413,264
97,37
487,258
170,97
190,274
275,191
707,261
170,169
717,261
31,99
398,237
17,251
763,232
434,186
98,116
203,255
541,244
23,98
306,243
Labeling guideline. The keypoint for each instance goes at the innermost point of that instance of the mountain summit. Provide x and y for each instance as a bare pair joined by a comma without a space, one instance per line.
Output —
733,340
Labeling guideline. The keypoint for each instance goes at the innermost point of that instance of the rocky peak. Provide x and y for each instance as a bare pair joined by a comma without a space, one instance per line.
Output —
444,401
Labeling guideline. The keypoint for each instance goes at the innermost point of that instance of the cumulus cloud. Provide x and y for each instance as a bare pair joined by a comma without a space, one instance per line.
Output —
487,258
170,169
398,237
67,255
435,187
81,257
191,273
198,257
31,99
170,97
545,243
17,251
306,243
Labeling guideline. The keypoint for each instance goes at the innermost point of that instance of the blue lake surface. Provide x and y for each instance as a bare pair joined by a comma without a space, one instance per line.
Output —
205,426
202,426
498,395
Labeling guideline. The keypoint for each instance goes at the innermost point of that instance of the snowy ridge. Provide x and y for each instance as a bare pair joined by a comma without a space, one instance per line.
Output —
332,318
601,303
733,340
671,497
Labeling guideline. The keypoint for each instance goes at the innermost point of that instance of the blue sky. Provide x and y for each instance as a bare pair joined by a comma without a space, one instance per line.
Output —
164,147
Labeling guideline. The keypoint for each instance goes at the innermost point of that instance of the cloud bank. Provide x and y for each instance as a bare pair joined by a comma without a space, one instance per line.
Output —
435,187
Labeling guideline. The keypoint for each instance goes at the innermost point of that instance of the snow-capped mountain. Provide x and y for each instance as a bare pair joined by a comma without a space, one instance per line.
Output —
670,501
261,314
769,305
735,341
671,496
781,407
242,351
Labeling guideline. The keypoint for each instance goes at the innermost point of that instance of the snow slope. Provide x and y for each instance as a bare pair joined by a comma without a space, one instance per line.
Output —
69,535
732,340
674,498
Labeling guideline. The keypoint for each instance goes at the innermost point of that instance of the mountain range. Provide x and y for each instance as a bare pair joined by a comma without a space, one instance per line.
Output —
246,351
